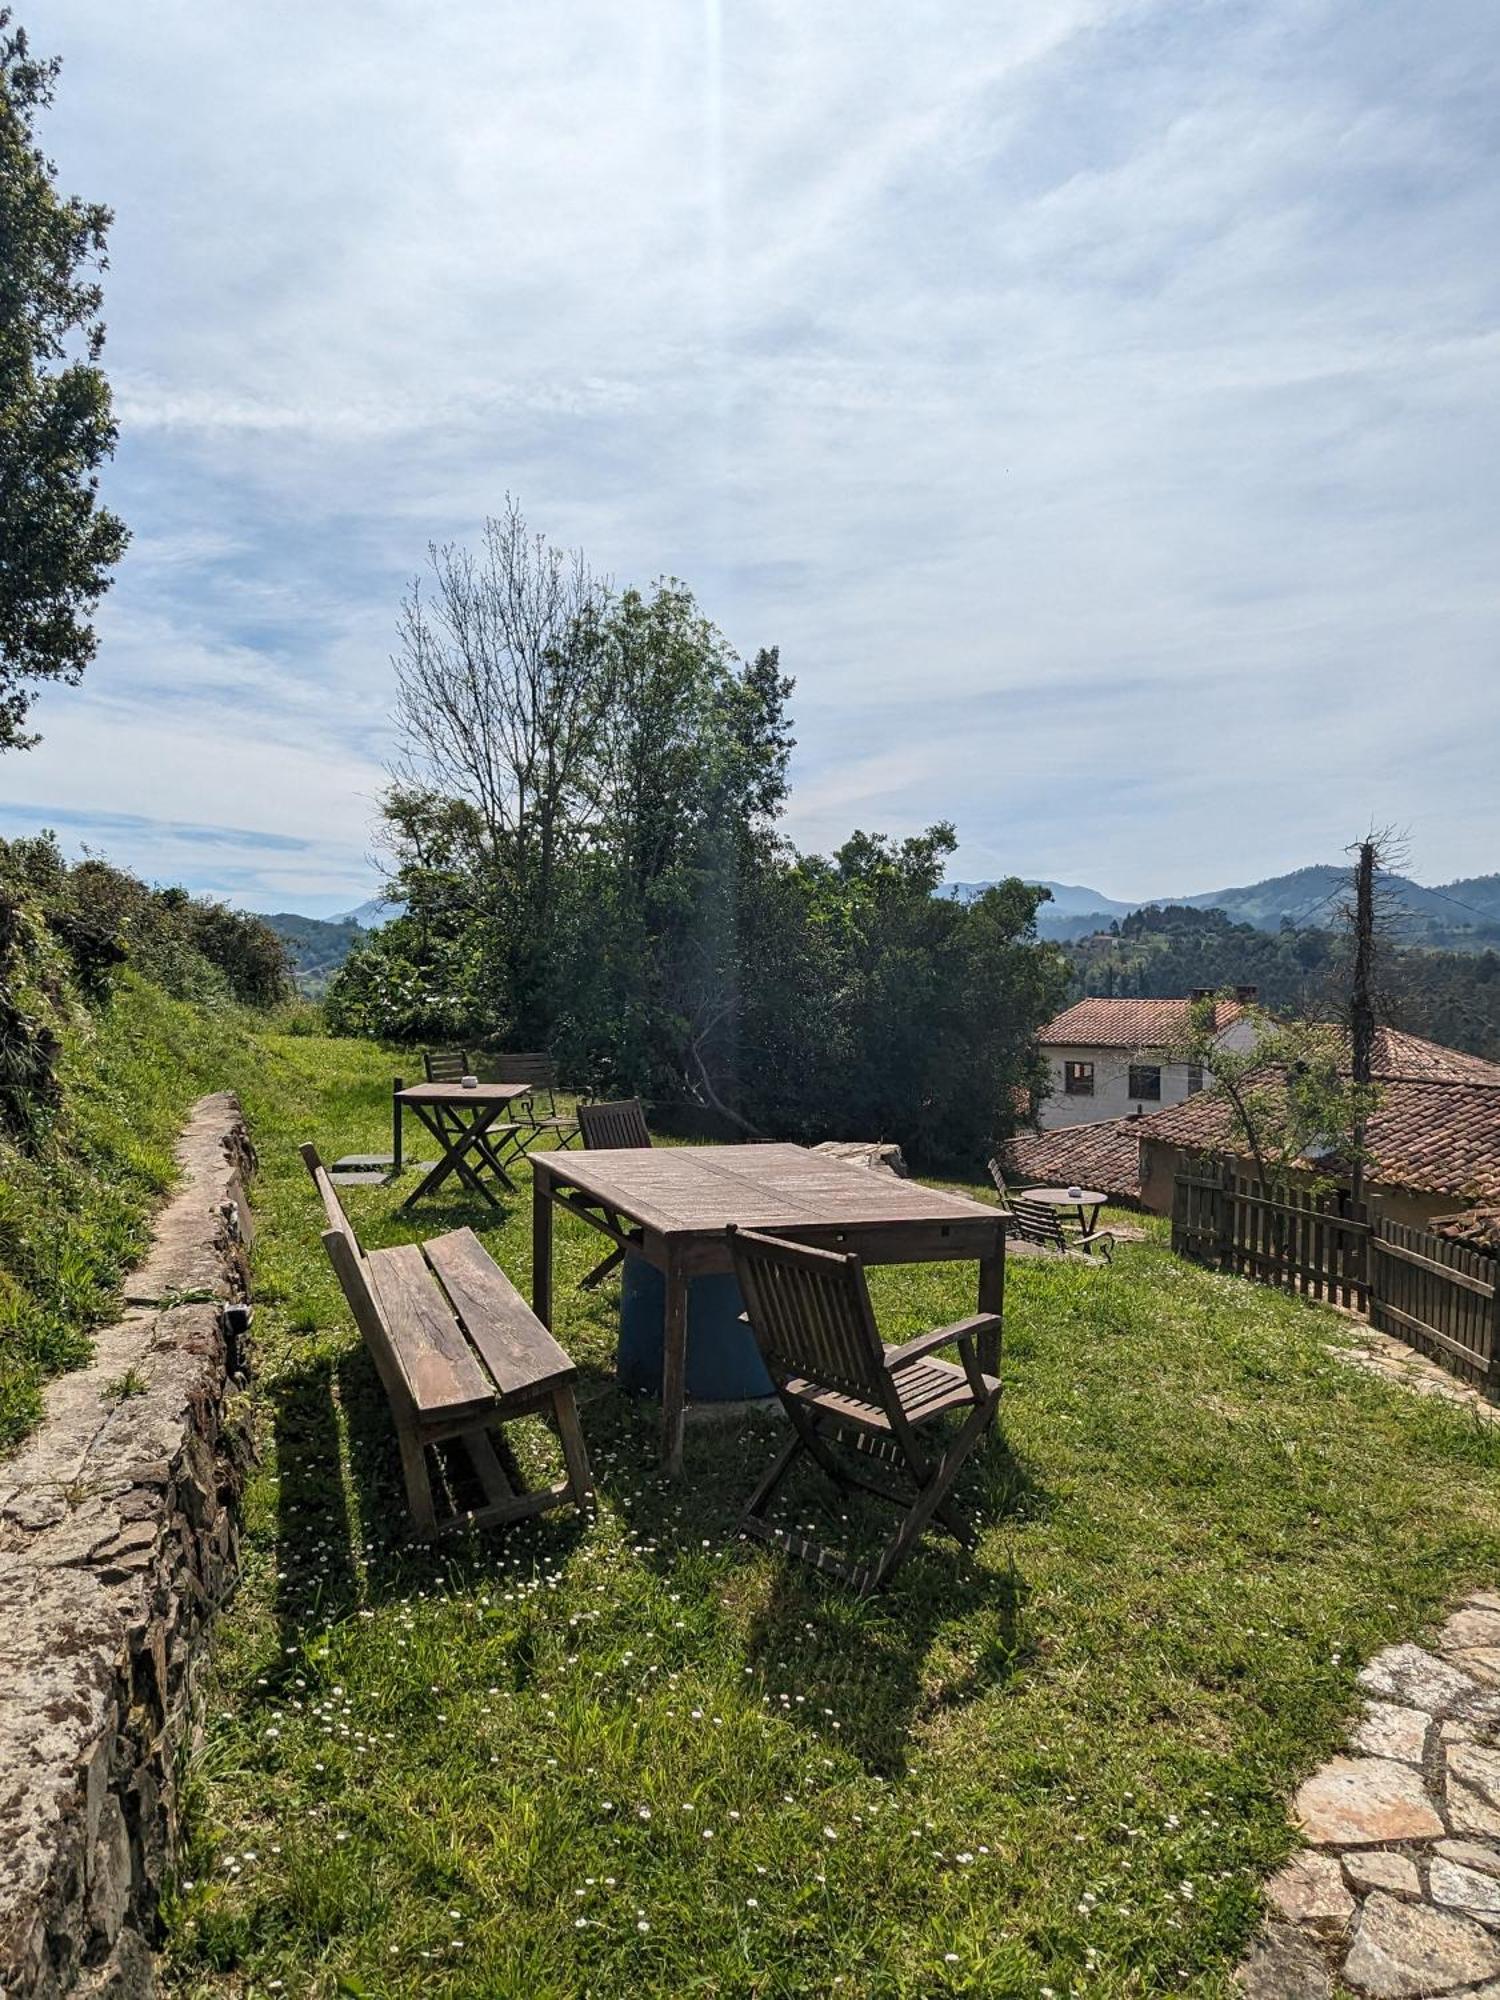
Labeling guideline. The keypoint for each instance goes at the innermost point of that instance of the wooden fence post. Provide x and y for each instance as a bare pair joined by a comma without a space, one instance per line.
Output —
1226,1217
1492,1372
396,1088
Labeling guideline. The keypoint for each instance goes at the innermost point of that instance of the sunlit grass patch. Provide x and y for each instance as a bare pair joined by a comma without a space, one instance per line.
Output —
640,1756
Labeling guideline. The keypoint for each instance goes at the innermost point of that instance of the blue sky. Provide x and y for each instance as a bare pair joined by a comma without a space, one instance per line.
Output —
1097,400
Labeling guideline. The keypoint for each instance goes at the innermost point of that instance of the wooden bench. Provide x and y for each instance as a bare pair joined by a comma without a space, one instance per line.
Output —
1039,1222
459,1352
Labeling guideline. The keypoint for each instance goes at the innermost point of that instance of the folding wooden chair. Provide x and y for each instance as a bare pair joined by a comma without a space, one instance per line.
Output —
611,1127
530,1116
447,1065
839,1384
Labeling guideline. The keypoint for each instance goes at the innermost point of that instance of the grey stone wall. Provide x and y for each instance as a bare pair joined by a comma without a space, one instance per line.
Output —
118,1540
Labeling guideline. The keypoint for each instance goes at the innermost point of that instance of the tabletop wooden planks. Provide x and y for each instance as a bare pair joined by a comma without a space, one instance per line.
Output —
458,1093
694,1190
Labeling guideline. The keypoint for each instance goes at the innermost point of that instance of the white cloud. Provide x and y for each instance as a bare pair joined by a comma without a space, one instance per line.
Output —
1097,399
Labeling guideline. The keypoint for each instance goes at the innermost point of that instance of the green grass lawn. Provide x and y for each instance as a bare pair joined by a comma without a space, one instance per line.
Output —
643,1757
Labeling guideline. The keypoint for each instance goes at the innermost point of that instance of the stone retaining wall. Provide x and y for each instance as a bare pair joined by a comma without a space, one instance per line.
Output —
118,1539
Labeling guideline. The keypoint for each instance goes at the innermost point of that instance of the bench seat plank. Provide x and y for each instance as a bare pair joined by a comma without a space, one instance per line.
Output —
517,1349
446,1380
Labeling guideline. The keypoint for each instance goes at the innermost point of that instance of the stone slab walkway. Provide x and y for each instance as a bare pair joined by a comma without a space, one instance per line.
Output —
1384,1355
1397,1892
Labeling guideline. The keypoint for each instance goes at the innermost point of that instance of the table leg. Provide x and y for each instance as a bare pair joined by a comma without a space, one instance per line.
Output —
992,1300
674,1368
396,1089
453,1162
541,1247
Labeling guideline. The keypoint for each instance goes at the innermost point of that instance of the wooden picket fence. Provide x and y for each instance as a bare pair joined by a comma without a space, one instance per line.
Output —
1441,1297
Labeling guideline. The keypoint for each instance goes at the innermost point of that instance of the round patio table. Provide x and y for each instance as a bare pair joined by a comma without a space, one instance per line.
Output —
1059,1197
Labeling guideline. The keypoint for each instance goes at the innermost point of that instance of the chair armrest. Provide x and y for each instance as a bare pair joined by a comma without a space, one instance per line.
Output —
945,1336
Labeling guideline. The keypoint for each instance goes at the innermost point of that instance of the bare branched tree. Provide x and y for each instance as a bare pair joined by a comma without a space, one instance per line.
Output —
502,679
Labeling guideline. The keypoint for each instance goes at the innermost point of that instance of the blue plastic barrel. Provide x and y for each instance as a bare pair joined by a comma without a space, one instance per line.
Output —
723,1361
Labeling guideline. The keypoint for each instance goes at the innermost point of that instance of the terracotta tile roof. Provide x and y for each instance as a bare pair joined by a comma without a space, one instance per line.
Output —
1478,1227
1105,1156
1126,1024
1433,1137
1398,1054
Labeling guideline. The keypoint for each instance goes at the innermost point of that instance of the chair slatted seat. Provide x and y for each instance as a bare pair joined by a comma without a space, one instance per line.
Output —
840,1386
613,1127
459,1353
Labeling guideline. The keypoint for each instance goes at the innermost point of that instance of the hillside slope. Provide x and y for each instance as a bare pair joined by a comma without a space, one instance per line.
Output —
76,1207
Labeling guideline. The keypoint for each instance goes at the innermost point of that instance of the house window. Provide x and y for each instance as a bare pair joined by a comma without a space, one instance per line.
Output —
1078,1079
1145,1080
1195,1078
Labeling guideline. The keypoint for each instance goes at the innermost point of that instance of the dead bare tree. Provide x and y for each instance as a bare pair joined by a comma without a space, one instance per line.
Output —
1362,913
502,679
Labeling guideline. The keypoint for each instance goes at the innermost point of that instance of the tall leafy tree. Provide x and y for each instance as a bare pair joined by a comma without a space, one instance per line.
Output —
58,544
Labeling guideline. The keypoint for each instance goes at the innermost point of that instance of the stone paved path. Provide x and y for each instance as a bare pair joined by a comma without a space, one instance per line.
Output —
1397,1891
1382,1354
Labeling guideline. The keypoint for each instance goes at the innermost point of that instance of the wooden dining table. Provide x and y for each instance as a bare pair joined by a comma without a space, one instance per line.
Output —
672,1205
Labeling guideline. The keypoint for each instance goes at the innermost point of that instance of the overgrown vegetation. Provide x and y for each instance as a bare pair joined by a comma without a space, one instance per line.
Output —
588,856
642,1757
119,1005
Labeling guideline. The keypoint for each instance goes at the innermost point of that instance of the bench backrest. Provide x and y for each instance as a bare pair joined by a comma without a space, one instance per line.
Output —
349,1264
810,1313
608,1127
446,1065
1038,1220
333,1208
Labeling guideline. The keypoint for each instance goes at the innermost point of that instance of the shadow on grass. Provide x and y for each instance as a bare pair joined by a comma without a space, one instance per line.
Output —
317,1575
949,1625
466,1556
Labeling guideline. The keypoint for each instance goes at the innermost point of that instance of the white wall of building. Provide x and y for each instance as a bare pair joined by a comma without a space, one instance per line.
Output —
1111,1096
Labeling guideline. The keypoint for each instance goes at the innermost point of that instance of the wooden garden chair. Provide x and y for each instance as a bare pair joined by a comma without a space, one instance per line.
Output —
604,1128
840,1385
459,1352
535,1114
449,1066
613,1125
1039,1222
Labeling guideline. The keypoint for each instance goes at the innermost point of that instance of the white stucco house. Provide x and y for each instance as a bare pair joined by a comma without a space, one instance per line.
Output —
1112,1058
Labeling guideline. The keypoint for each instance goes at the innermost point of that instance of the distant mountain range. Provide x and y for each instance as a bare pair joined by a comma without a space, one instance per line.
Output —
370,915
1455,916
1462,915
